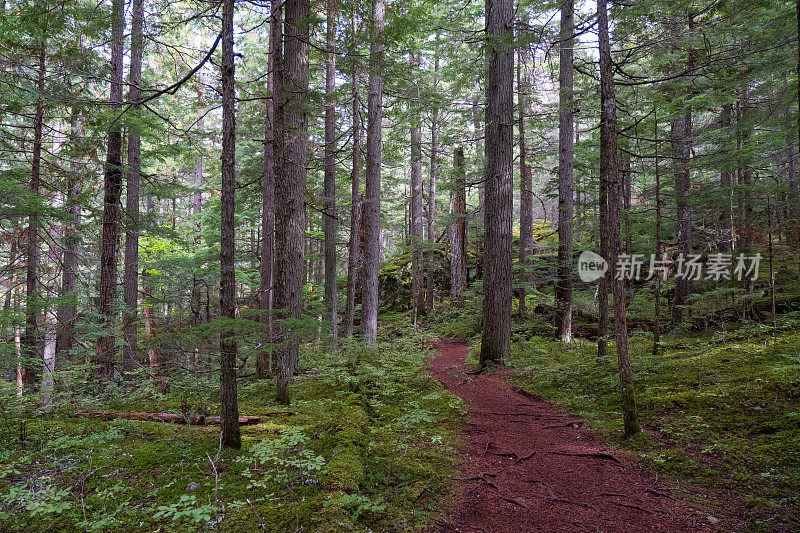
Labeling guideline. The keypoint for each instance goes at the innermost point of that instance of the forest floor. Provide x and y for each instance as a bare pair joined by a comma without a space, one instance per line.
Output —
527,466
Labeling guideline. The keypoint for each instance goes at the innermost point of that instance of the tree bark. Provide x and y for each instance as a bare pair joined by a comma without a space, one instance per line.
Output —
480,155
290,214
417,281
566,187
609,172
681,134
499,199
797,240
458,239
50,338
69,277
131,273
272,138
330,220
480,162
371,208
430,290
354,256
229,408
111,205
603,285
725,182
525,184
32,301
18,349
11,268
197,204
657,295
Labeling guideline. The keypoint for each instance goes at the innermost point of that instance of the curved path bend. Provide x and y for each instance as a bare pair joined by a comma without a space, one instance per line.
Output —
528,467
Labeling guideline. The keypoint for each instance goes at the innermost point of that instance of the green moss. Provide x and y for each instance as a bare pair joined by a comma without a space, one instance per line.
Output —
343,471
719,415
352,417
385,428
334,517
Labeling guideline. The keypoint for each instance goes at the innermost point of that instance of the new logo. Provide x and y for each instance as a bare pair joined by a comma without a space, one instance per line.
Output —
591,266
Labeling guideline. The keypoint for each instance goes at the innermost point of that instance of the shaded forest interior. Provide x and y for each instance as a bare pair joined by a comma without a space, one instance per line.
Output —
232,231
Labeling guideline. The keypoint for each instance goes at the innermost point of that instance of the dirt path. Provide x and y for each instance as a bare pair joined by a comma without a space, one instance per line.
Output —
528,467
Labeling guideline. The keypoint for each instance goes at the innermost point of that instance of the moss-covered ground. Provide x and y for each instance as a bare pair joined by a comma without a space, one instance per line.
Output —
720,409
366,445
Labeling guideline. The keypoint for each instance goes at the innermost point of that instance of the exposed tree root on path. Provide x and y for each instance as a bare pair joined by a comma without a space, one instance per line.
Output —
526,466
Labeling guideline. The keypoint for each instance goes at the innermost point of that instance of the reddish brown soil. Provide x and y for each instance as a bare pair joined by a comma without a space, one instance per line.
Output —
528,467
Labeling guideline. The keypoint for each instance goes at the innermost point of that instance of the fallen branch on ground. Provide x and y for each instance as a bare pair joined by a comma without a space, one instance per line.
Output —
568,424
598,455
482,476
633,507
515,456
170,418
657,493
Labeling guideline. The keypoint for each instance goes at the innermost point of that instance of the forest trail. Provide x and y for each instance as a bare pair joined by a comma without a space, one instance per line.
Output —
526,466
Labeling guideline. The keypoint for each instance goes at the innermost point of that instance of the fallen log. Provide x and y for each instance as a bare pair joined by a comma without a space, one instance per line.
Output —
169,418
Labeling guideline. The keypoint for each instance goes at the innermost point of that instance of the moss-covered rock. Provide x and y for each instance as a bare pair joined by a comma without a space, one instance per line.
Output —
346,467
352,417
334,517
343,472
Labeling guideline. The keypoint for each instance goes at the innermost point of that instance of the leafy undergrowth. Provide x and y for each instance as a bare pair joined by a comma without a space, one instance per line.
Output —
722,419
365,445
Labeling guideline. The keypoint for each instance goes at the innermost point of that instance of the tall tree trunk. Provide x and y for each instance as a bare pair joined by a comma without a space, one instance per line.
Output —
371,208
499,200
69,276
791,178
153,359
625,203
797,241
566,187
290,212
197,205
480,155
49,357
745,177
130,277
525,184
458,239
354,255
745,168
681,135
657,298
417,285
266,294
279,171
430,291
11,269
609,172
229,406
603,285
480,163
18,349
330,220
50,329
54,256
111,204
32,303
725,182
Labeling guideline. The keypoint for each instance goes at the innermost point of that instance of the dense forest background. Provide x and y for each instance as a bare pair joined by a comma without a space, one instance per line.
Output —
241,213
